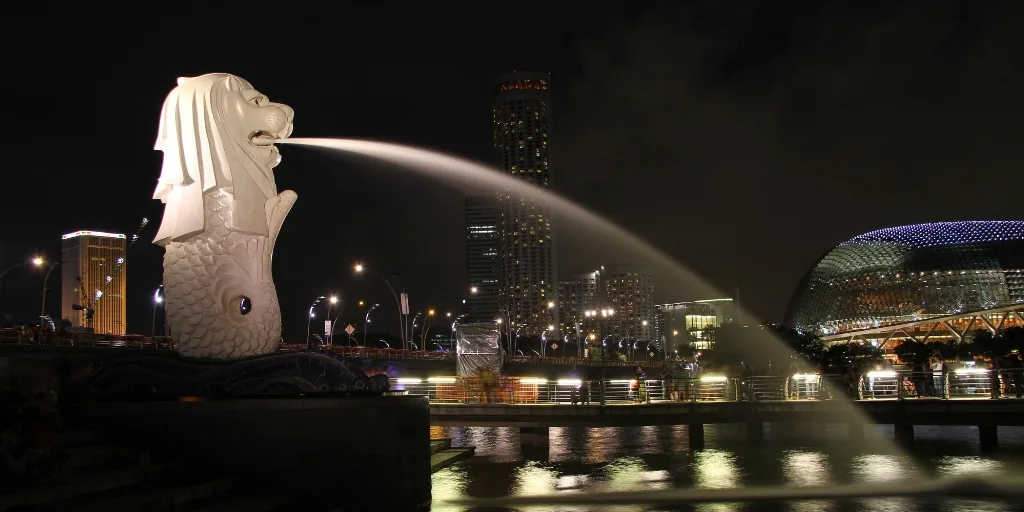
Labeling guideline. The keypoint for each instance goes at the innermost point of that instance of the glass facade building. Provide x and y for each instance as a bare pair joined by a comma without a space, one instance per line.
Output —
94,274
527,269
911,273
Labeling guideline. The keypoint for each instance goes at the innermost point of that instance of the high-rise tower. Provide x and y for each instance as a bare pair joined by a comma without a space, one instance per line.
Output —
483,244
529,280
94,275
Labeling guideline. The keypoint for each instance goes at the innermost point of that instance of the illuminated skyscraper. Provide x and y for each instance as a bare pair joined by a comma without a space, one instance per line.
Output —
630,291
483,243
94,275
529,281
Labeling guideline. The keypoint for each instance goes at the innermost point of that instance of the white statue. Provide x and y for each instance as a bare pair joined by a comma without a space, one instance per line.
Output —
222,215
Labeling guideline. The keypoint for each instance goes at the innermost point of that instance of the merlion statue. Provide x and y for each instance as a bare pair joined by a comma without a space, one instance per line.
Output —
222,215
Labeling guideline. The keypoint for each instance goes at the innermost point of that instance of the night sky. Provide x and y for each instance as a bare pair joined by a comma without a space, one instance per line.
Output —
742,138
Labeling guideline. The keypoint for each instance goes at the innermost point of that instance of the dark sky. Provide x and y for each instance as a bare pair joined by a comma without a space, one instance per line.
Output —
743,138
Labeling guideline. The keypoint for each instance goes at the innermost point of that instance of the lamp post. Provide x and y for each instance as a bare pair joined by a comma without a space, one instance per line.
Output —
157,300
330,335
366,322
426,327
42,311
309,320
606,315
36,262
642,335
359,268
415,319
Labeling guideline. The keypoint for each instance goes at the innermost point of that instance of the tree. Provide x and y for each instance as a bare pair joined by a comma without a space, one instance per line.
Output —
839,357
913,352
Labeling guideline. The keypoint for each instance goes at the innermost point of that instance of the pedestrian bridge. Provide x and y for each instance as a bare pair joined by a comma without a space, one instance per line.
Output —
968,397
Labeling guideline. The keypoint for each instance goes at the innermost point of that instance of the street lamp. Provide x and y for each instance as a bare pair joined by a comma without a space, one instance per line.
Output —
157,300
330,335
309,320
36,262
426,328
366,322
42,311
606,315
360,269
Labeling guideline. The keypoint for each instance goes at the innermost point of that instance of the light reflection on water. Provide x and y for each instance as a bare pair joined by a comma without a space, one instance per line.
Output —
580,459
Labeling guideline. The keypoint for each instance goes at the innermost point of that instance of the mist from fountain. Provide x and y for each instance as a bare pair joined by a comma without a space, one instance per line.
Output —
453,170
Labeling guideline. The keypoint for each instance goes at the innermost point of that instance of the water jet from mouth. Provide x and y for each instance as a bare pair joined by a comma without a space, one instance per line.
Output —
453,170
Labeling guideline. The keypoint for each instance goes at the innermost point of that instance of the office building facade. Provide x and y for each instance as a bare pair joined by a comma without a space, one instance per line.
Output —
680,323
483,246
94,275
528,296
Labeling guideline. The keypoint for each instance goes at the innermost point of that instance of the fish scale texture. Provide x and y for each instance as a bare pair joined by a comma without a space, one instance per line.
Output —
206,278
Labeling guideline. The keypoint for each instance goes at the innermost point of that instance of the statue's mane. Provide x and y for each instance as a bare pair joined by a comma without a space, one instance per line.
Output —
200,154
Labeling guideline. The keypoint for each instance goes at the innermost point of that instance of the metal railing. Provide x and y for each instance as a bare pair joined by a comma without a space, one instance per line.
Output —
397,353
528,390
60,338
885,385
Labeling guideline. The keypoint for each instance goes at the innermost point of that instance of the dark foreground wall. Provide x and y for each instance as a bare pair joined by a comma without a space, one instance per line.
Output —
356,452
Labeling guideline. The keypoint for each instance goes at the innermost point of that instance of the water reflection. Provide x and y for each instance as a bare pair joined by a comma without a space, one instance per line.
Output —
580,460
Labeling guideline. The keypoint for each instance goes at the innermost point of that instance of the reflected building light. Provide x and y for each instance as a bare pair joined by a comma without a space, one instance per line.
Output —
571,482
448,484
626,474
882,468
715,469
601,444
805,469
533,479
968,465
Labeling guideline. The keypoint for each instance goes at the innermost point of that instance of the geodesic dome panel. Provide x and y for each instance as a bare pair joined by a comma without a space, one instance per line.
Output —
910,273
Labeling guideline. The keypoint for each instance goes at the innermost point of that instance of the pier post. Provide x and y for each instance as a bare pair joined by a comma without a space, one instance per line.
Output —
533,436
989,437
904,433
696,432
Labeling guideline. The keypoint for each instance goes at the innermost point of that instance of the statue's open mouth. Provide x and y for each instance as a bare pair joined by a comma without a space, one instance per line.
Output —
261,138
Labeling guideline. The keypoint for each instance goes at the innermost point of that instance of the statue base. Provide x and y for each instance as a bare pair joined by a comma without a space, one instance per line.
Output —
298,425
316,452
285,373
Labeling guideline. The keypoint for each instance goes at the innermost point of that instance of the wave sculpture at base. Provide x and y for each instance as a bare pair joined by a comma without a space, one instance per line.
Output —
222,215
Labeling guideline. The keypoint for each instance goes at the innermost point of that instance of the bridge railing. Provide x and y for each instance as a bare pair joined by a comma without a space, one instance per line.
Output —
61,338
395,353
886,385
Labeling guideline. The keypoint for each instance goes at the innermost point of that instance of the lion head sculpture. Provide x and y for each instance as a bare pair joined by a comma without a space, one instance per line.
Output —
218,132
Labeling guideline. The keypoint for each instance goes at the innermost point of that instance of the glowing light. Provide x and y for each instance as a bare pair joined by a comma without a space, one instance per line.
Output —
473,289
882,375
37,261
333,300
91,233
533,380
971,371
407,380
714,378
358,268
569,382
442,380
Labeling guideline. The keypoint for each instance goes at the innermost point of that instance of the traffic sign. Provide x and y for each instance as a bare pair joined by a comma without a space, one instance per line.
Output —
349,329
